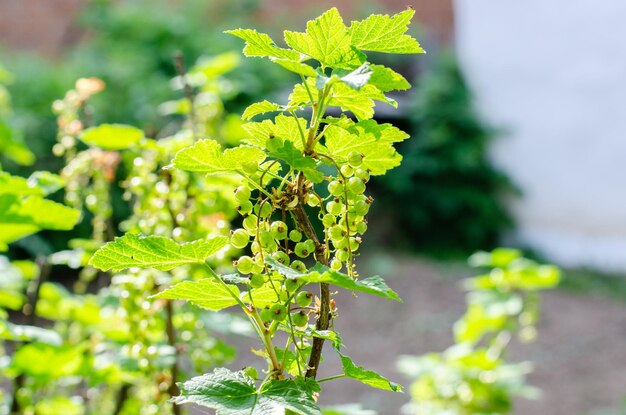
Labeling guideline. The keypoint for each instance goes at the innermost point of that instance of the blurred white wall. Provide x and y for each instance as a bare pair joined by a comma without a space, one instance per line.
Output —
552,73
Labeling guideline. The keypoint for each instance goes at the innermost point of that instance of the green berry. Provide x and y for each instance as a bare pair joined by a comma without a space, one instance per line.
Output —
250,223
346,170
342,255
355,243
274,143
266,315
337,233
281,257
291,284
328,220
279,313
333,207
257,280
335,188
302,250
239,238
265,238
304,298
242,194
295,235
355,185
298,266
251,372
250,168
361,227
300,319
355,159
245,207
279,229
265,210
361,207
336,264
245,264
362,174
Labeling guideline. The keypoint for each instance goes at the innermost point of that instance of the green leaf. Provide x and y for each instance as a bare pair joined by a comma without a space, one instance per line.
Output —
297,67
48,182
46,362
386,79
234,393
372,285
14,332
112,136
206,156
133,251
283,126
206,293
296,159
17,185
367,377
359,102
374,141
260,44
326,40
382,33
60,406
20,217
321,273
260,108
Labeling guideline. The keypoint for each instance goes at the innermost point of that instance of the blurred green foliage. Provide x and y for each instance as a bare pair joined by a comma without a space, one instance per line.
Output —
473,377
446,194
132,51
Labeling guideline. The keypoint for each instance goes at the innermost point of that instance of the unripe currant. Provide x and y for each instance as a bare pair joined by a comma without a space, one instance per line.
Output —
281,257
264,211
251,371
279,313
335,188
333,207
328,220
337,233
242,194
355,159
342,255
250,168
256,280
265,238
250,222
336,264
362,174
279,229
361,227
291,284
298,265
355,185
266,315
302,250
361,207
245,264
295,235
245,208
300,319
304,298
346,170
239,238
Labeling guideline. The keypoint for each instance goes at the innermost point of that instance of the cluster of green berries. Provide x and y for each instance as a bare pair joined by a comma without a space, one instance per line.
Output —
342,214
344,220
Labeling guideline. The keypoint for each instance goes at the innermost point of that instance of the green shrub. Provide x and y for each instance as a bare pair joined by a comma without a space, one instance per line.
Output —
446,195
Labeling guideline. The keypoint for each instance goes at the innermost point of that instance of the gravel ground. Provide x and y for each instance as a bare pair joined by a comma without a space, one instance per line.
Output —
579,357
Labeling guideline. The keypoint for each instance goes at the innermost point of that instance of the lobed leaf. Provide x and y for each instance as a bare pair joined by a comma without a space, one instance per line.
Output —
206,293
234,393
327,40
374,141
134,251
386,79
384,33
260,108
262,45
206,156
286,127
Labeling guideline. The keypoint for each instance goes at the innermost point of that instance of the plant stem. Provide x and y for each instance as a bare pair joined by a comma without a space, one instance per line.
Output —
171,340
323,321
122,396
29,311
